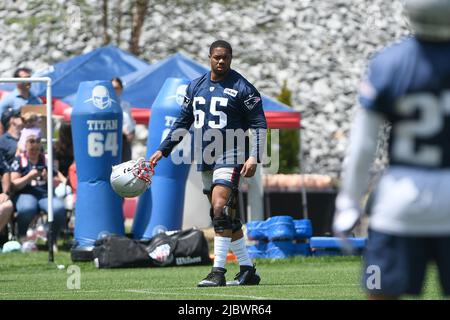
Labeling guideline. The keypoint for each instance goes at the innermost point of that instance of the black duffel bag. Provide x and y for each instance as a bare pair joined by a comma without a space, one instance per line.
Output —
120,252
186,247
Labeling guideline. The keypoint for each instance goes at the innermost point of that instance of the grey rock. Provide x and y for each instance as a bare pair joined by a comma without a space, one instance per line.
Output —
320,47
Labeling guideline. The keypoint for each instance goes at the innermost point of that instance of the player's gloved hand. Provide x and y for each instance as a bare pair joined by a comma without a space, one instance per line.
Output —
346,216
155,157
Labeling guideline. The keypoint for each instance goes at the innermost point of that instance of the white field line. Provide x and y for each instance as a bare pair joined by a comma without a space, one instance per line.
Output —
157,291
143,291
147,292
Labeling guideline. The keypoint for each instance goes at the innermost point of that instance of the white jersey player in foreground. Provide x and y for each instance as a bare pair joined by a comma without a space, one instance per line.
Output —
408,84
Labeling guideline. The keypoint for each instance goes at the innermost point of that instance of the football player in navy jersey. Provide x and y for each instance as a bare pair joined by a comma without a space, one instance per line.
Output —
408,85
223,105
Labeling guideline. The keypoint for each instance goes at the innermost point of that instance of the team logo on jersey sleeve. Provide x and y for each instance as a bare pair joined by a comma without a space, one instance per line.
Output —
180,94
230,92
186,102
252,101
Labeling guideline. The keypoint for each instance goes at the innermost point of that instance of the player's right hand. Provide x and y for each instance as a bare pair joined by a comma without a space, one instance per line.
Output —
155,157
346,216
344,222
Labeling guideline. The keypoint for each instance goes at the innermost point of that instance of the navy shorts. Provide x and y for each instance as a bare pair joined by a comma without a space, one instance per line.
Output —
401,262
227,176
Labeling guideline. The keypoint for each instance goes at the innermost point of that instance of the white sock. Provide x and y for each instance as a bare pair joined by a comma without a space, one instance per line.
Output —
240,250
221,246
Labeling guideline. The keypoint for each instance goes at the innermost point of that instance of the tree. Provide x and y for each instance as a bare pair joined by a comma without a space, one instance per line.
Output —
106,37
289,139
139,12
118,24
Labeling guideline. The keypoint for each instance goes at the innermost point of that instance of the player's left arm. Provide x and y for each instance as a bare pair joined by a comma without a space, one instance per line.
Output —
356,169
374,101
252,104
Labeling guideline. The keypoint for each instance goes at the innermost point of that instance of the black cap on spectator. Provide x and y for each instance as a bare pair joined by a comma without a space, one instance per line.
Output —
7,115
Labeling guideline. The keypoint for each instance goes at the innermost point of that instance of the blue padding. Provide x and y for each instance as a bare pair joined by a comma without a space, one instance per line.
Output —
336,243
97,130
303,229
256,230
160,208
280,228
302,249
280,249
257,251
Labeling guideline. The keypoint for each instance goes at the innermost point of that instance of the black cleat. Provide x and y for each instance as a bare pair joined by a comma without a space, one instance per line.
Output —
247,276
216,278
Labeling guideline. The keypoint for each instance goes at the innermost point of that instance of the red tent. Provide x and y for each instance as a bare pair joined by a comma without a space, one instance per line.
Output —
275,119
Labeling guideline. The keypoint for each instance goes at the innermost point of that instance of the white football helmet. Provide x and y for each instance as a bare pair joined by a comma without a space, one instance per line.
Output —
429,19
130,179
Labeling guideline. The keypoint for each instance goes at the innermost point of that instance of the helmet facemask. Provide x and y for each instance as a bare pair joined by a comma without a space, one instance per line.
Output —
132,178
144,170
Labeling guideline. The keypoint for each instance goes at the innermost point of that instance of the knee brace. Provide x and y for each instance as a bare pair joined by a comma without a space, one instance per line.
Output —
232,203
236,225
221,223
227,220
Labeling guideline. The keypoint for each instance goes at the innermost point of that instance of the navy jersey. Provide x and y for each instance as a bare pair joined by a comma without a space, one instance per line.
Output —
217,110
409,83
37,186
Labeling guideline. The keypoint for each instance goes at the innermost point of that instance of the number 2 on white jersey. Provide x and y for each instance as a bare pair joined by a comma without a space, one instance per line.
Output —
431,111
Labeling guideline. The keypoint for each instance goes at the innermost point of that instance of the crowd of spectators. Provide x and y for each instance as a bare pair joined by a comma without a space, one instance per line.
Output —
23,166
23,163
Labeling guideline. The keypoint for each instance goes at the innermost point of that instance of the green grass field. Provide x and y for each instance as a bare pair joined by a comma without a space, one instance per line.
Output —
30,276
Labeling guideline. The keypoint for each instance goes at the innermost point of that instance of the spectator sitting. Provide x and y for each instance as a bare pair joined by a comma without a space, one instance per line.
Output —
31,121
20,96
129,125
13,123
22,143
29,179
6,206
